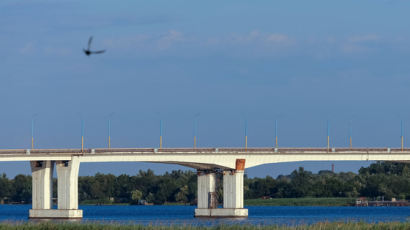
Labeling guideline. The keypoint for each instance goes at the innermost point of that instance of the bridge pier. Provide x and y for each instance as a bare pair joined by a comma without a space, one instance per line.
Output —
206,193
67,189
232,193
42,188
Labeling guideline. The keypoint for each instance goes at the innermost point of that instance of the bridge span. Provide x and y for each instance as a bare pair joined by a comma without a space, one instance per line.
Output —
231,162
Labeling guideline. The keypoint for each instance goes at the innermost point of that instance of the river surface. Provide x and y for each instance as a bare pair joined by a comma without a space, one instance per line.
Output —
258,215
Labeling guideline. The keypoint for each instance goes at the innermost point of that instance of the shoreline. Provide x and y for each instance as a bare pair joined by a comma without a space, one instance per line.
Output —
305,201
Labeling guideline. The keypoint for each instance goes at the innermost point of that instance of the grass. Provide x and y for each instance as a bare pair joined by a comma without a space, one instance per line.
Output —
98,226
309,201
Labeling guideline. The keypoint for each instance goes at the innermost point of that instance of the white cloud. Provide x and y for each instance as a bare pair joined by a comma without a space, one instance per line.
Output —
38,49
57,51
170,38
28,48
126,42
262,38
277,38
363,38
352,48
359,44
255,42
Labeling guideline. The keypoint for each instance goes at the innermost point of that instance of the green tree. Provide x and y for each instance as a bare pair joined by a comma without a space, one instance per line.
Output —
5,187
182,195
123,187
150,198
301,185
136,195
85,183
21,189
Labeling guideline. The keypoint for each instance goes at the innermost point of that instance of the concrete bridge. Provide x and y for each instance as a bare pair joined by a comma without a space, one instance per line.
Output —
231,162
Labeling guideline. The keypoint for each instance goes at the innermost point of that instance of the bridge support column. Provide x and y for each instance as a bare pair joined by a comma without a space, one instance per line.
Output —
232,195
42,188
206,194
67,189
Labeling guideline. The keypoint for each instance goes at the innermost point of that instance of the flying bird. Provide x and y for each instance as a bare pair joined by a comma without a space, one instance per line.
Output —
88,52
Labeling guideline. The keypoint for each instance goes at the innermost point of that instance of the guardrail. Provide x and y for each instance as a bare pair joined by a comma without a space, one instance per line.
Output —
198,150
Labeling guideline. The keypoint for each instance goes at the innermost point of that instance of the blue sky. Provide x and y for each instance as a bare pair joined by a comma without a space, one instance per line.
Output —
299,62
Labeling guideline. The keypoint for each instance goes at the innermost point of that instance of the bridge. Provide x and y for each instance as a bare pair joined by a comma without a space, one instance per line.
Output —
231,162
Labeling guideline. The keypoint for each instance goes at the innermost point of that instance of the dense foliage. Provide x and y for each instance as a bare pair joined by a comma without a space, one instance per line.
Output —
381,179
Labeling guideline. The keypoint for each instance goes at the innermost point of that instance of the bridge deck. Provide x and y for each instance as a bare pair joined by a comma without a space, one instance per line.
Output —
208,158
240,151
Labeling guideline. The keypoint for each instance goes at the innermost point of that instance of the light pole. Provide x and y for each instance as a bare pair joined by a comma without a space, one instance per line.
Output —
328,136
276,133
109,133
160,134
246,134
350,135
195,131
32,130
402,135
32,133
82,136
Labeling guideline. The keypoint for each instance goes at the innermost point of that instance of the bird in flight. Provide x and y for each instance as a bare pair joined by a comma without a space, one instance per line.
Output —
88,52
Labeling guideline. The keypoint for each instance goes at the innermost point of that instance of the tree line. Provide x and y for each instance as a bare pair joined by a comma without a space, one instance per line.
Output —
381,179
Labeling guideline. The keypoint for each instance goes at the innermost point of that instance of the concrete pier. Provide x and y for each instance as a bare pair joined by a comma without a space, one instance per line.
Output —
42,188
232,193
206,193
67,189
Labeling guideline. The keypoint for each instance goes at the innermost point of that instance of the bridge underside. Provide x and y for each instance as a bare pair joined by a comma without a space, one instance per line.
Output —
197,166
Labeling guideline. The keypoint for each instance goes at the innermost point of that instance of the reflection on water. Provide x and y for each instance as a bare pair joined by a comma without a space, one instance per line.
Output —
166,215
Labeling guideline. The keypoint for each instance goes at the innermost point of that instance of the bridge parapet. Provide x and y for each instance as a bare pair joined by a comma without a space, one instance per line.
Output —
4,152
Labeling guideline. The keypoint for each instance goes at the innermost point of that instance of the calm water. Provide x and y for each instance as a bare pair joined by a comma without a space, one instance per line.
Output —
257,215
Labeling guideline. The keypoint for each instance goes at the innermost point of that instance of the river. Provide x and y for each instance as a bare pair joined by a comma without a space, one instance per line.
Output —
258,215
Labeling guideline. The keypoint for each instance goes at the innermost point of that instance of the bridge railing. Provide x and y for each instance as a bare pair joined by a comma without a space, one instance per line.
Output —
226,150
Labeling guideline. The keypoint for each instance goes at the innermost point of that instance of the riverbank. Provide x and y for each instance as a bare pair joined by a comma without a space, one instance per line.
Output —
98,226
307,201
98,202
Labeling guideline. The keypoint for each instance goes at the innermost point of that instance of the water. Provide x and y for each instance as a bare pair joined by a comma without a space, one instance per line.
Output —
258,215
